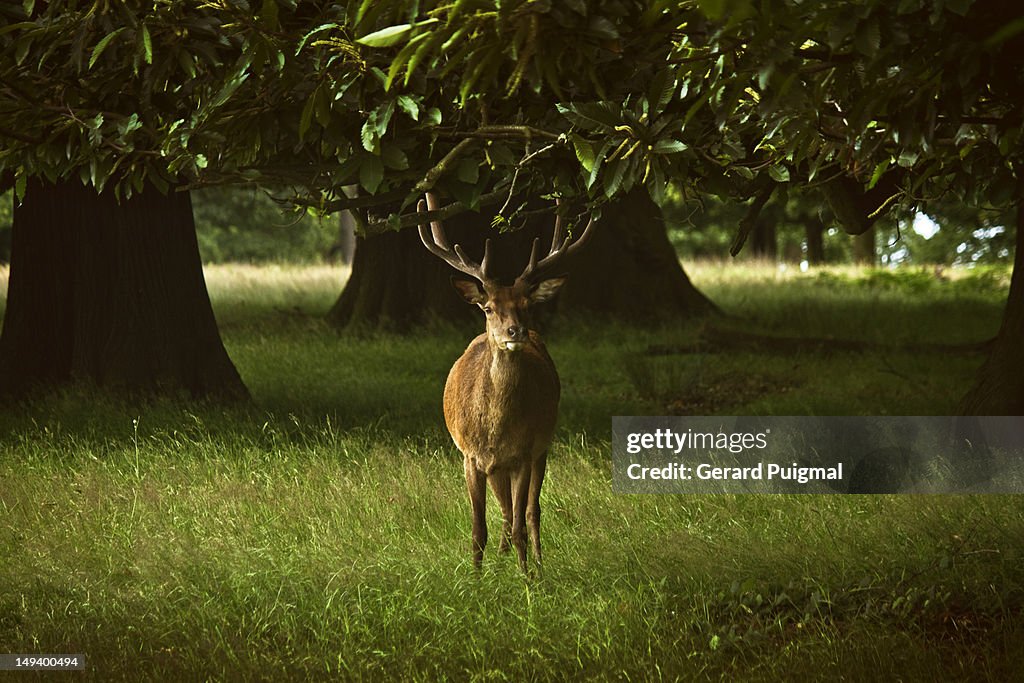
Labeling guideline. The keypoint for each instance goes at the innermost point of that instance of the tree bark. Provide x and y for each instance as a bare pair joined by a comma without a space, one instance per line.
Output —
629,271
110,293
397,284
999,389
814,231
864,252
764,242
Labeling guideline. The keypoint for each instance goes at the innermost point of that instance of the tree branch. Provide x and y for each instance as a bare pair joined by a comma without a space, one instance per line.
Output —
750,219
501,132
413,219
432,176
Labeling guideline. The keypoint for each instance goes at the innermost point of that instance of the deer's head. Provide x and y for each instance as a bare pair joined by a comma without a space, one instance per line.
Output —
507,307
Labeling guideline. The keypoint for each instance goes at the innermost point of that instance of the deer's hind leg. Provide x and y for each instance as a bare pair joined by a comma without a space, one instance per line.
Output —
501,484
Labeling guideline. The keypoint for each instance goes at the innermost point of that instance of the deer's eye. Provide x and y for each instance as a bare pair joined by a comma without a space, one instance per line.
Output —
487,310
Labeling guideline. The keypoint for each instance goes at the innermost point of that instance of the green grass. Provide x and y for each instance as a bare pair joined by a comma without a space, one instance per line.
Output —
322,533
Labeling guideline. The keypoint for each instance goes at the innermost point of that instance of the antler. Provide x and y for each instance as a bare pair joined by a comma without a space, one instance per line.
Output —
436,243
562,245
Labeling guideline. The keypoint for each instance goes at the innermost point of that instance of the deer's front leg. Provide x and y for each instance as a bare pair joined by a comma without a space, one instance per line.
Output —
501,484
533,507
520,499
476,483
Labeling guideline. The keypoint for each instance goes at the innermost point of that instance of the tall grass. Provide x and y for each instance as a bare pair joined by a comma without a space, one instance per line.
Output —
322,533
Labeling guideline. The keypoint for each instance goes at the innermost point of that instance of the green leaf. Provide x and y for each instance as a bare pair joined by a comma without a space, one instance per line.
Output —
268,14
599,158
371,172
907,158
742,171
656,182
468,171
187,63
318,29
613,176
28,6
102,45
499,154
368,136
21,49
20,182
877,174
434,116
147,45
668,146
403,58
323,109
603,28
10,28
959,6
382,117
307,114
779,173
660,91
409,106
386,37
422,51
129,125
394,158
868,38
1008,31
601,117
584,152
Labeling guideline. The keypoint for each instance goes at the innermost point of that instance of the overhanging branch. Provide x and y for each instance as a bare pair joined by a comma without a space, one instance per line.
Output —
412,219
750,218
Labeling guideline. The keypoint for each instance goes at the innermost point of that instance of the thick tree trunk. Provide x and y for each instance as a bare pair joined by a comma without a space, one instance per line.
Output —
110,293
864,252
814,231
764,242
396,283
999,389
629,270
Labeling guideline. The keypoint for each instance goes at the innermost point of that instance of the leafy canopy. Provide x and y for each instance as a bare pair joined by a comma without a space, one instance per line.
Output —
486,100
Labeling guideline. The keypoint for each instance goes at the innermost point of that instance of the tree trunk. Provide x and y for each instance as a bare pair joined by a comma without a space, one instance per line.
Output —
814,230
999,389
110,293
629,270
864,248
396,283
764,242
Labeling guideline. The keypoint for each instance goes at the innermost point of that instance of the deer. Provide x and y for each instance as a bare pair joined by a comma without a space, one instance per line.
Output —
501,396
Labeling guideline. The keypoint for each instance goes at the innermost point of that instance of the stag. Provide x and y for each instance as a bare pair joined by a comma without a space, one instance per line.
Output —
501,397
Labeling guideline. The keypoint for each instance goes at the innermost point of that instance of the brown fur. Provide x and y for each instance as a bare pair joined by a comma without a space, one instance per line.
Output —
501,398
500,407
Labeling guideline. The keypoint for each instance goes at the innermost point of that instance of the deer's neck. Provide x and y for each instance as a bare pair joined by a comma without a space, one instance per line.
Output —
506,367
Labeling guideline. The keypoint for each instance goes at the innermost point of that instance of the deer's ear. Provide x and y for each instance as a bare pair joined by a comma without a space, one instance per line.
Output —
470,290
545,290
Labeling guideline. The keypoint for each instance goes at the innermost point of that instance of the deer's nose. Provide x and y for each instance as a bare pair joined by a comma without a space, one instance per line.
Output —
516,332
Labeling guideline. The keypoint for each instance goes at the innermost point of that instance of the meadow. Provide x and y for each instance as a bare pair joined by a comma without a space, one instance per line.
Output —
322,532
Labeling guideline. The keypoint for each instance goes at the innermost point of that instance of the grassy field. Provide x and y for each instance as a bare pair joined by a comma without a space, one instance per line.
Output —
322,533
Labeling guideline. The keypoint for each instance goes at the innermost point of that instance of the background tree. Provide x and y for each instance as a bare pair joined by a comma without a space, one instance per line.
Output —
106,282
920,96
